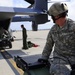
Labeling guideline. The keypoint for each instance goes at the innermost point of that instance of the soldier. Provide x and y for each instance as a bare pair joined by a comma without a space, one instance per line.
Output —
62,37
3,32
24,33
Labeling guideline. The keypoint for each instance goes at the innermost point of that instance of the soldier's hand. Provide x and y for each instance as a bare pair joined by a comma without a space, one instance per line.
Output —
43,60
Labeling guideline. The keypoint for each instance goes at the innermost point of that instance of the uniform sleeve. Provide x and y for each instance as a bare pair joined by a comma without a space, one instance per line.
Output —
48,47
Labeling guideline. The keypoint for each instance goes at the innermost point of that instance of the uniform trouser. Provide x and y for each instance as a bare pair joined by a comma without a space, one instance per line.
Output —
25,44
60,65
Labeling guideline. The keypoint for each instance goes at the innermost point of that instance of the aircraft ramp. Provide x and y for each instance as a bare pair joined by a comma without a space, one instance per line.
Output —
7,63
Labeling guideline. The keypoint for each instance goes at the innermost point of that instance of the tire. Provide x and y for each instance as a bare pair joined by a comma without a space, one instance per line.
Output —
10,44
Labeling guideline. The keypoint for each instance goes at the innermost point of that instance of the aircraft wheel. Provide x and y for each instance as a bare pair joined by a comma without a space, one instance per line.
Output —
10,44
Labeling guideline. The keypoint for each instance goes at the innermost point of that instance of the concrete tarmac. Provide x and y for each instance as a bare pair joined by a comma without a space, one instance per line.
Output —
30,55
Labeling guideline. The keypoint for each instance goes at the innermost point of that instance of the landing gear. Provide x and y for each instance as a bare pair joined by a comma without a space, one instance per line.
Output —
34,26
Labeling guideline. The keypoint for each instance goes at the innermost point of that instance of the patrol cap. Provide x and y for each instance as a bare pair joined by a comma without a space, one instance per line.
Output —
57,8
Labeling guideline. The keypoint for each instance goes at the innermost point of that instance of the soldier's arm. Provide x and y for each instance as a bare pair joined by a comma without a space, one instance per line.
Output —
48,47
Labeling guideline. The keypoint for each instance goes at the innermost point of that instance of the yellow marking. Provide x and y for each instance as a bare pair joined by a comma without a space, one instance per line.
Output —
21,72
8,57
2,50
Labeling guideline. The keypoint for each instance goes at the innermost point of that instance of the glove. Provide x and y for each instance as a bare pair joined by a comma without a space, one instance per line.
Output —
43,61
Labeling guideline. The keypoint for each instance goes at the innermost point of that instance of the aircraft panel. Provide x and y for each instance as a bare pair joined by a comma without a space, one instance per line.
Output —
20,11
30,1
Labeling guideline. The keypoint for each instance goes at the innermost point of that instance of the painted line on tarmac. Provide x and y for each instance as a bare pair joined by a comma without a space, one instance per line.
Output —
7,56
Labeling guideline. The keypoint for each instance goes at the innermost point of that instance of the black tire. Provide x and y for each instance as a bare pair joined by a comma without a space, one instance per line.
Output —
10,44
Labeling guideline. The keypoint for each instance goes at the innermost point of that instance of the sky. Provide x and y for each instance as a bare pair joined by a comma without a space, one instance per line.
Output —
22,3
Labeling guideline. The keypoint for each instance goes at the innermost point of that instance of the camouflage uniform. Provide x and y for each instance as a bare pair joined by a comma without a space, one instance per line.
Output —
3,32
63,40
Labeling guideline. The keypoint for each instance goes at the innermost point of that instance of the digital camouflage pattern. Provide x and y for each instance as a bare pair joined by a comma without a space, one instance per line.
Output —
57,8
3,32
63,40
